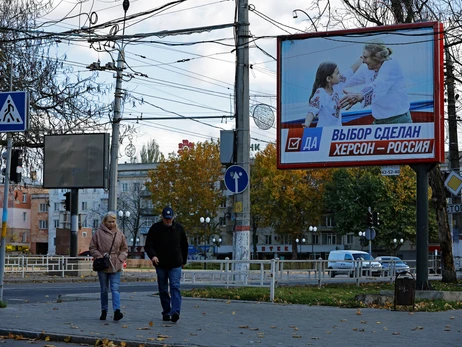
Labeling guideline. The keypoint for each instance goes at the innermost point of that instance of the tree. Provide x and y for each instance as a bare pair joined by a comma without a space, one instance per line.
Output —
286,200
132,201
189,182
352,191
150,152
61,101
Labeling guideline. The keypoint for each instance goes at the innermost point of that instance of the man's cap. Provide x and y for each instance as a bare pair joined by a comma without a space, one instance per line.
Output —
167,213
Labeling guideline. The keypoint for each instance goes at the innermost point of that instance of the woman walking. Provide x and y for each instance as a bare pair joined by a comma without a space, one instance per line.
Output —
109,240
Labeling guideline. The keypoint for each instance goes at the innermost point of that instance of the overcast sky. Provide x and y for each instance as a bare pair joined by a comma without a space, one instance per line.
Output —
170,77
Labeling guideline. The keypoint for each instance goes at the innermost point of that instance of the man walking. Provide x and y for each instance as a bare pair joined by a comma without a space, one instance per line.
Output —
167,247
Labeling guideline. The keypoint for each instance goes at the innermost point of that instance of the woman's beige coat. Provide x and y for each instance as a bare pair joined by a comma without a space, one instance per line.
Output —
101,243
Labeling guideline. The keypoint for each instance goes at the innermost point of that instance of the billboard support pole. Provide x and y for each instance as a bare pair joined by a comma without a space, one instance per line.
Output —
422,226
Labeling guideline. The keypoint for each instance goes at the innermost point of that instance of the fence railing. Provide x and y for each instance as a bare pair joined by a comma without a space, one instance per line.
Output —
228,273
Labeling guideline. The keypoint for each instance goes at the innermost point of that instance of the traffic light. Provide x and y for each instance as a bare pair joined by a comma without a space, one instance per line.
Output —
369,219
375,219
67,201
16,166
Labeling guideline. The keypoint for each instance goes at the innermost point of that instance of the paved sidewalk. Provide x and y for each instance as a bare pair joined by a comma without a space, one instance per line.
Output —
218,323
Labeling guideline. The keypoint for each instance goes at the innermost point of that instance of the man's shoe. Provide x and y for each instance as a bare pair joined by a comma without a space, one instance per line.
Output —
118,315
103,315
175,317
166,318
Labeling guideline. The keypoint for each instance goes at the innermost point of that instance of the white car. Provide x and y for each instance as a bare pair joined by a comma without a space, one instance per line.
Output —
345,260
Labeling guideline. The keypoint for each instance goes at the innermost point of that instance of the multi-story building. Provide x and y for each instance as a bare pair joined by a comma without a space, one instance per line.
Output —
27,218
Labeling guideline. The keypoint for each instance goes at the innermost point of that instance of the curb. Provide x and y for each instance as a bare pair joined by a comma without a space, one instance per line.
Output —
41,336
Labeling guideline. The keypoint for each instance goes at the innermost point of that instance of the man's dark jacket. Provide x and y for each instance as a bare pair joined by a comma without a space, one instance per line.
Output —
168,243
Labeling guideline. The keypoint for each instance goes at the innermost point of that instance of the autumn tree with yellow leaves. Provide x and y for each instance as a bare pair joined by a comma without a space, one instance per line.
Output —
287,200
189,182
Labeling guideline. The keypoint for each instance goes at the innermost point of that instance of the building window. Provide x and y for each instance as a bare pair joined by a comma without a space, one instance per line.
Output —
268,240
95,205
24,216
136,186
125,187
349,238
329,239
84,223
43,208
84,206
43,224
56,223
24,197
84,234
315,239
329,221
95,223
57,205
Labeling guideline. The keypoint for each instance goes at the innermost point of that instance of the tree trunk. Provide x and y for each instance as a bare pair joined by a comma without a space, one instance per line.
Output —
439,203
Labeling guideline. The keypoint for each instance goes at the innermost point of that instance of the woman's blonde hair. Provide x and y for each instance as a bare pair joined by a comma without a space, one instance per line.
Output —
378,50
110,214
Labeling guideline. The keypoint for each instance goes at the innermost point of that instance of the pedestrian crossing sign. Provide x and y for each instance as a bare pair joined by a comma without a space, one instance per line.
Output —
14,111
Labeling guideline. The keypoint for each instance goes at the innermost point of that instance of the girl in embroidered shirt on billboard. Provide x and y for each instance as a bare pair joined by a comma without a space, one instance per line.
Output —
324,101
109,240
382,84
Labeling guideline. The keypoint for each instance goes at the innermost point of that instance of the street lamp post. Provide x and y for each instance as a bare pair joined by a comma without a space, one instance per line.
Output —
313,230
294,15
124,215
217,242
205,222
397,243
299,242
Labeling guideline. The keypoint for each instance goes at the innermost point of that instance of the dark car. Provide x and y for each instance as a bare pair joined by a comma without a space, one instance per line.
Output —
389,262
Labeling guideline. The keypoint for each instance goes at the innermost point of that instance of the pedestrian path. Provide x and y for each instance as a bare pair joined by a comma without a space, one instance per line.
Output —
221,323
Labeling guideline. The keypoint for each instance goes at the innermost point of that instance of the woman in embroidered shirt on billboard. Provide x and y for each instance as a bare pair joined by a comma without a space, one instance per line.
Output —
324,101
383,89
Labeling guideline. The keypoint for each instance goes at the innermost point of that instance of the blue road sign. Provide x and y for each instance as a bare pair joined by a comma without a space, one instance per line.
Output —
236,179
14,111
370,234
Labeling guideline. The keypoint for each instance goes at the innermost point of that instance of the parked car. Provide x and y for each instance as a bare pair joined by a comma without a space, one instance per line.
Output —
389,261
344,262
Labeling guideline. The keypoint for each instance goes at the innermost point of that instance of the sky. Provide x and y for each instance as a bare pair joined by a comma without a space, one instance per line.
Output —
183,75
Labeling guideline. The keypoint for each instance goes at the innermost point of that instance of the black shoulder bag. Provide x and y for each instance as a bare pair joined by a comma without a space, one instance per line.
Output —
103,263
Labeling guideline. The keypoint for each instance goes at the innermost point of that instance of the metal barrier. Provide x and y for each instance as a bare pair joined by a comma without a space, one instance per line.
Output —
228,273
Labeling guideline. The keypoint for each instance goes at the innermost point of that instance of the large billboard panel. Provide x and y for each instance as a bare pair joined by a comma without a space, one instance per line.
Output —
370,96
76,161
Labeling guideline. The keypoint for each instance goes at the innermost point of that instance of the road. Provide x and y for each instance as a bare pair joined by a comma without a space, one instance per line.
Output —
17,293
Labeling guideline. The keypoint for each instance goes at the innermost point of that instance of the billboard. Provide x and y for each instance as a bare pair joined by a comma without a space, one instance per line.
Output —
76,161
370,96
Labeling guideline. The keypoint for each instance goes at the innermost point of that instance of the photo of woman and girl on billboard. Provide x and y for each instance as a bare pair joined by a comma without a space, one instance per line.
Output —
382,89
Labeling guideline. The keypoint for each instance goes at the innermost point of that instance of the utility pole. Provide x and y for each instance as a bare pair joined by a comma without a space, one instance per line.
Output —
113,174
241,236
112,198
